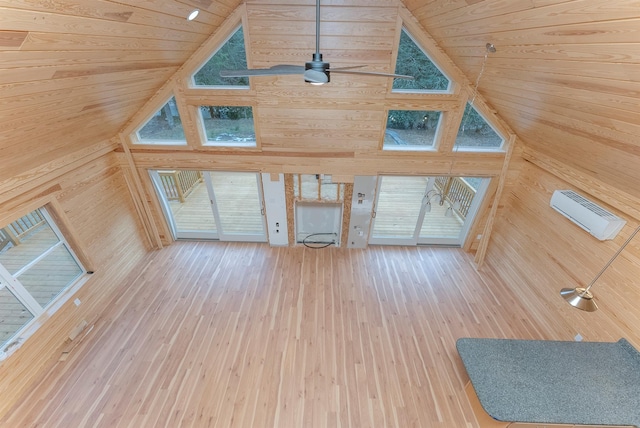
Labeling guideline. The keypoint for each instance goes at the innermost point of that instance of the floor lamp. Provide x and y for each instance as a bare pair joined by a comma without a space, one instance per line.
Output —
582,298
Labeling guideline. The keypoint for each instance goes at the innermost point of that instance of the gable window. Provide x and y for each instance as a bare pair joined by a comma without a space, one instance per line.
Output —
36,266
230,126
230,56
413,61
164,127
411,130
476,133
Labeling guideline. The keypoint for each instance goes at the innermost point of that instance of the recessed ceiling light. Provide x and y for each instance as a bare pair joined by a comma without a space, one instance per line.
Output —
194,13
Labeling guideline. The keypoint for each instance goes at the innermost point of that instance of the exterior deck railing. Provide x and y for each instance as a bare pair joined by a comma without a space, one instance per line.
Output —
16,230
458,190
178,184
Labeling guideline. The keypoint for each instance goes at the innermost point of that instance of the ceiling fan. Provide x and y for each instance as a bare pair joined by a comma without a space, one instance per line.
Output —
316,71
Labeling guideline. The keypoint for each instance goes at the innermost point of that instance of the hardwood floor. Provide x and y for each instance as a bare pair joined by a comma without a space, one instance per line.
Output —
239,334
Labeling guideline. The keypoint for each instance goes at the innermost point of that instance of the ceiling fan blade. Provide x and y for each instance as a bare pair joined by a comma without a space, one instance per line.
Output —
314,76
276,70
371,73
337,69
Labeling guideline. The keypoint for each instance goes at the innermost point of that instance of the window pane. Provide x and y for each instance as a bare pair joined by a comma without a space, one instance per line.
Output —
165,127
231,56
28,238
13,315
475,132
228,125
414,62
411,129
51,275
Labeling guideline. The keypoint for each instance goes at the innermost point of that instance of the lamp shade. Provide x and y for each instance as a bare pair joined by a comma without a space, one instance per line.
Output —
580,298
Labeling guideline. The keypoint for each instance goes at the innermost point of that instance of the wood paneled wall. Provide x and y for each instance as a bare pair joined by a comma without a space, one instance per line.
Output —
94,201
336,128
72,72
538,251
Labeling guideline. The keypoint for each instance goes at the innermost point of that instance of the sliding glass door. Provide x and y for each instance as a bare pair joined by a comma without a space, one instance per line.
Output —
212,205
425,210
237,205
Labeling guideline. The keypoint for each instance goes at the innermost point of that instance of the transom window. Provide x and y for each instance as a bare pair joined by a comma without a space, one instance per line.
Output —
36,266
164,127
411,130
230,126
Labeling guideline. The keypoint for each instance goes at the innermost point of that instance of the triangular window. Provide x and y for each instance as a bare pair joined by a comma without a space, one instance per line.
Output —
413,61
230,56
475,133
164,127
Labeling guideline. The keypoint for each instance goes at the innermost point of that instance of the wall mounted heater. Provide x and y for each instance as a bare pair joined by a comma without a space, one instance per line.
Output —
591,217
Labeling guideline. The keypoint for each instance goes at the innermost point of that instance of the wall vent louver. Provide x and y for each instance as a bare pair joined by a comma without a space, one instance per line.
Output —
589,216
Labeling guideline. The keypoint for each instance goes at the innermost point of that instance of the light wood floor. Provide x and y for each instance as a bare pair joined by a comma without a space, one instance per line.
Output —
210,334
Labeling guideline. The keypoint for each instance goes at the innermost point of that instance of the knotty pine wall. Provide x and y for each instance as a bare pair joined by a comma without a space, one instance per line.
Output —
538,251
91,200
333,129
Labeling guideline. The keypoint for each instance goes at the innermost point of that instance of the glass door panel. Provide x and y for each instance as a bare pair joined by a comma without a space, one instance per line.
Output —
425,210
449,223
186,202
398,210
13,315
60,269
238,205
211,204
36,266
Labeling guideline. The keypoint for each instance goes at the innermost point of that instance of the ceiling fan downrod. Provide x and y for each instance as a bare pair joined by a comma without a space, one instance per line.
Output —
316,70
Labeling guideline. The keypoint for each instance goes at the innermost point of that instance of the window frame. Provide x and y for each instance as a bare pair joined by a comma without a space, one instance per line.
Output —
437,136
191,82
136,140
24,297
480,149
202,130
450,86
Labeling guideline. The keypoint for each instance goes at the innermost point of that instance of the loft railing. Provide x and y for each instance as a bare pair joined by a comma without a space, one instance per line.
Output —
178,184
458,190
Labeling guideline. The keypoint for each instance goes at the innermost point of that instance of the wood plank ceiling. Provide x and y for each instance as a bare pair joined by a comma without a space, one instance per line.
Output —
74,71
565,76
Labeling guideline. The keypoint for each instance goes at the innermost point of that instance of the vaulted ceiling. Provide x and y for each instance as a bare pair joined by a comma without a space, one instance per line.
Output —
565,77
